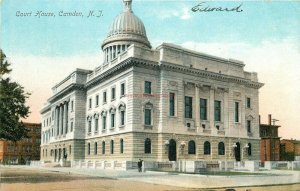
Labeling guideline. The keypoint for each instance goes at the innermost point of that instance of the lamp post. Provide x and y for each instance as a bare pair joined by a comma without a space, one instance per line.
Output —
182,145
166,146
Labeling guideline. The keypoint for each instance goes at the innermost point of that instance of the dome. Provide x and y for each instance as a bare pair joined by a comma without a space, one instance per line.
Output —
126,27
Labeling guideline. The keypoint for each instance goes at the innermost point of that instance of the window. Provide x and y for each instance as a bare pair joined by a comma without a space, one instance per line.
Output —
192,147
103,147
248,102
248,126
89,149
72,106
97,100
112,120
147,146
236,112
113,93
147,87
207,148
121,146
122,118
96,124
90,103
70,150
249,149
217,110
188,107
148,117
203,109
104,97
89,126
123,89
71,127
112,147
221,148
104,122
172,104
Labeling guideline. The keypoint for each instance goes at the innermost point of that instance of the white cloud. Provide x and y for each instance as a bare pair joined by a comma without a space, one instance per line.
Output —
277,65
181,13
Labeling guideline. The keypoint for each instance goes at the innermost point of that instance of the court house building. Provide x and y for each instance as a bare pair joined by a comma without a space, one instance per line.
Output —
157,104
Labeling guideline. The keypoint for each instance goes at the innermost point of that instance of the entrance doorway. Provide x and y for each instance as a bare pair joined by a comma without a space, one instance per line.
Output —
172,150
237,151
55,155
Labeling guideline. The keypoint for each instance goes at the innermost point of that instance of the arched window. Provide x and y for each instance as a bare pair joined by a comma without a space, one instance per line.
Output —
147,146
89,149
249,149
103,147
192,147
121,146
221,148
112,147
95,148
207,148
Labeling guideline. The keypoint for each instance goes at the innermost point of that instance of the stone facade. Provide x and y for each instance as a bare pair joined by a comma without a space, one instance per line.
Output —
135,106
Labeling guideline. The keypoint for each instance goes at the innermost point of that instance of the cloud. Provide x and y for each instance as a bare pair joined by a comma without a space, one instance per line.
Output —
277,65
181,13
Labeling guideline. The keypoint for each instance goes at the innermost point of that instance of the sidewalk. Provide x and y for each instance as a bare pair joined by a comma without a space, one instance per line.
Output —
186,180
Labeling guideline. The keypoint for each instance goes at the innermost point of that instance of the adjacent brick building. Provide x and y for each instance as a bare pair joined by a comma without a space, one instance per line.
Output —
289,150
24,150
270,142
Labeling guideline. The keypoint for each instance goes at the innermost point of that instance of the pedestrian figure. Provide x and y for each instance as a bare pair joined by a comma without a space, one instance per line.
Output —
140,164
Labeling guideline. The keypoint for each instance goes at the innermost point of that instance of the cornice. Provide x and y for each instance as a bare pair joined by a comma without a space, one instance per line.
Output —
210,75
66,91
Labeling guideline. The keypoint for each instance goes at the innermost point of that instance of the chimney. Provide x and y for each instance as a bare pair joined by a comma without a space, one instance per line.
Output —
270,119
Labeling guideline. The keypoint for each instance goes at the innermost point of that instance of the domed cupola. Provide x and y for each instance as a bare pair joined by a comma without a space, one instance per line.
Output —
125,30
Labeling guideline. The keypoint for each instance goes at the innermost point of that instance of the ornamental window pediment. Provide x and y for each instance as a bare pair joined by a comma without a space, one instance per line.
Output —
122,106
112,109
103,113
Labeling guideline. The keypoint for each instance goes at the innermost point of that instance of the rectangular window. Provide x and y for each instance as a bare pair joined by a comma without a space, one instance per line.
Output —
147,87
188,107
112,122
122,118
103,147
97,100
104,97
172,104
122,89
71,126
96,125
236,112
89,126
104,122
95,148
203,109
148,117
113,93
72,105
248,126
89,149
90,103
248,102
217,110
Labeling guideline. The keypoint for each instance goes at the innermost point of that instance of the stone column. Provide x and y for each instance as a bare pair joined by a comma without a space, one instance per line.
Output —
211,108
61,120
57,120
66,118
197,102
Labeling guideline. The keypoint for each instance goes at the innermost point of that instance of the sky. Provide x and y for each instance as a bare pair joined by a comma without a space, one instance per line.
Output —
265,35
